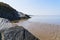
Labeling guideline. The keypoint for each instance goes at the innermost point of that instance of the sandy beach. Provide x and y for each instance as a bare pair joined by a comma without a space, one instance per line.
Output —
43,31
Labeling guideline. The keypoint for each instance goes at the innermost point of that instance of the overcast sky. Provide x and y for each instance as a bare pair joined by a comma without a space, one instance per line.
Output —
35,7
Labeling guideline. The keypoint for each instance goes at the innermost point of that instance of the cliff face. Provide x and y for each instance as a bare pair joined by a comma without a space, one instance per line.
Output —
6,11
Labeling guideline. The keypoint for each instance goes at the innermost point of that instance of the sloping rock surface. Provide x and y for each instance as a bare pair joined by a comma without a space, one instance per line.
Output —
18,33
4,24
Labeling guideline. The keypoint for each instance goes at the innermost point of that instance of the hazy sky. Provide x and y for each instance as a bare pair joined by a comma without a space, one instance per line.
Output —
36,7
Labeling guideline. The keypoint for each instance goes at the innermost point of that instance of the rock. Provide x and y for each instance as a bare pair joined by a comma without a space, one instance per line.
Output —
4,24
6,11
15,33
18,33
27,16
24,16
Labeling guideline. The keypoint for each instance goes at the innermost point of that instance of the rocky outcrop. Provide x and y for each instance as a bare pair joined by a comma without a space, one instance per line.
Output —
6,11
24,16
5,24
14,33
18,33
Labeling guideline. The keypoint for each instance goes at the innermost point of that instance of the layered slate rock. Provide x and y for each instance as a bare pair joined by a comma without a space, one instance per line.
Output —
7,12
4,24
18,33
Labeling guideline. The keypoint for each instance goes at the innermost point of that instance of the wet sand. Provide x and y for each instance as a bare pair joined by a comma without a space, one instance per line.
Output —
43,31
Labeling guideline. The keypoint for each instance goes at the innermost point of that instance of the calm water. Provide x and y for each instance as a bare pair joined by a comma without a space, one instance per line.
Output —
51,19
